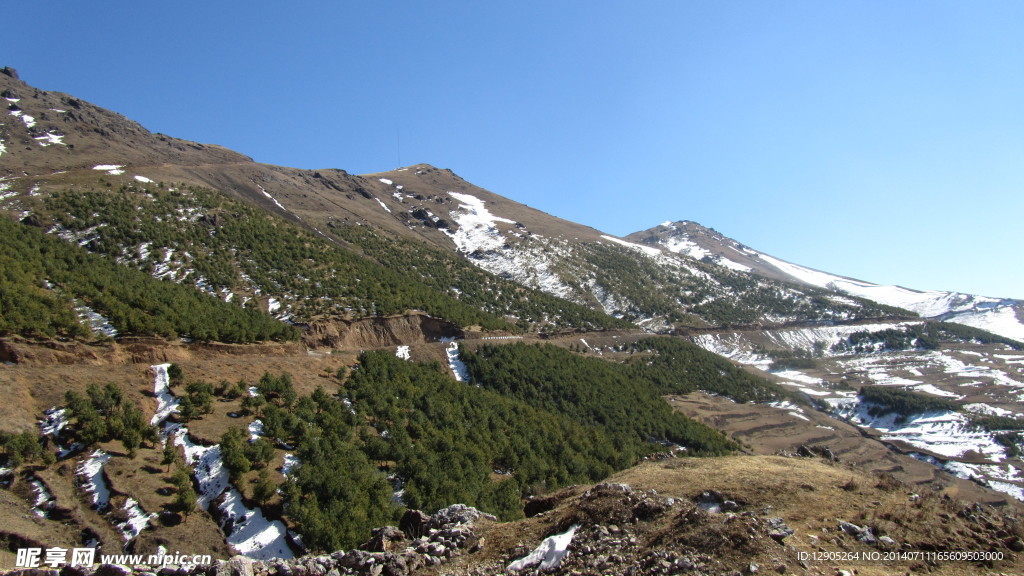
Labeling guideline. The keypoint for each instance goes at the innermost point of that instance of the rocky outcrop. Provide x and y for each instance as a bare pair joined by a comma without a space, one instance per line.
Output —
378,332
449,532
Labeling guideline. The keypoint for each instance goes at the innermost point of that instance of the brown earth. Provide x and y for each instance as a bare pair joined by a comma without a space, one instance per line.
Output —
378,332
654,527
45,371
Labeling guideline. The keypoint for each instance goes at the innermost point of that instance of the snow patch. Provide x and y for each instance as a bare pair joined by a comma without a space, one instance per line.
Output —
136,521
49,139
44,501
112,169
548,554
252,534
477,230
935,391
96,322
55,419
790,407
456,364
290,462
274,200
255,430
980,408
91,470
648,250
166,403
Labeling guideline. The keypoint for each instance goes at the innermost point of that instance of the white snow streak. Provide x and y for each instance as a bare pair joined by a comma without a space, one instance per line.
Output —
548,554
91,469
166,403
458,367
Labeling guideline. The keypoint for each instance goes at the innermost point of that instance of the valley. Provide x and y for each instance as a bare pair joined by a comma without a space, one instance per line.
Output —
765,429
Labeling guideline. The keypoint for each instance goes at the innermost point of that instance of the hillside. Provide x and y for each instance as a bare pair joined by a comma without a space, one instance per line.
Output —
207,354
58,145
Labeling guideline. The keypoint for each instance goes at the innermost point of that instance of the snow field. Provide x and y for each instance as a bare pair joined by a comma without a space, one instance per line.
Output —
946,434
477,230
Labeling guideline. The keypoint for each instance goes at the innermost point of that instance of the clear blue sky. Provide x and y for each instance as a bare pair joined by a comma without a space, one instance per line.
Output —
880,140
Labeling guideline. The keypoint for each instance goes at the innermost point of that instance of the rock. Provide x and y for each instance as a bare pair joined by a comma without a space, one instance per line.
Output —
753,568
1017,545
10,72
475,543
111,570
383,539
730,506
236,566
613,487
850,528
457,514
778,530
414,523
535,506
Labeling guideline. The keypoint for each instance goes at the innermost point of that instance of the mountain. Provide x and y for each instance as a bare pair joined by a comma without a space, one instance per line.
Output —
672,276
208,354
1003,316
59,148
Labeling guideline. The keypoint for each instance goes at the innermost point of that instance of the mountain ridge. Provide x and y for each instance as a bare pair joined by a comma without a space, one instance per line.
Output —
515,241
1004,316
